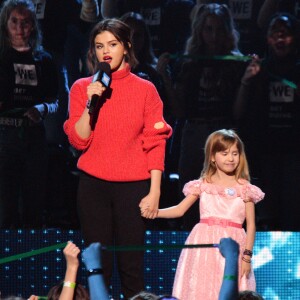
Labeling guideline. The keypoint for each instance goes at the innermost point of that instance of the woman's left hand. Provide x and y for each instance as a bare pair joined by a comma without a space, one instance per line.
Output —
246,268
149,206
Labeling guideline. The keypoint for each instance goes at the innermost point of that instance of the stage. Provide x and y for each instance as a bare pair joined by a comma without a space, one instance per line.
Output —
276,262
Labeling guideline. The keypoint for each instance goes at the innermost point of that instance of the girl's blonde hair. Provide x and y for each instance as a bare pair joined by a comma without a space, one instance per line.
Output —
221,140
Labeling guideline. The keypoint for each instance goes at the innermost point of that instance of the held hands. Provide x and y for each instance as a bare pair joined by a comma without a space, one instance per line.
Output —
95,88
149,206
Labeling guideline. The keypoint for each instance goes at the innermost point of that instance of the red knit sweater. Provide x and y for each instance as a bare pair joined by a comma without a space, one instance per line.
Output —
125,145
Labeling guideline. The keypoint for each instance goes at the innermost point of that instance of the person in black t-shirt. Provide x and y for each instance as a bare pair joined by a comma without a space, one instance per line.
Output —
268,109
28,93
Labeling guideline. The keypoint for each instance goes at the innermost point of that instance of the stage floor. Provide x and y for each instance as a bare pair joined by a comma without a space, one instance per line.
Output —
276,262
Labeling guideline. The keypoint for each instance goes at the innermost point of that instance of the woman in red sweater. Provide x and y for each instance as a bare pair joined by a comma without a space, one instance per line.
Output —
123,147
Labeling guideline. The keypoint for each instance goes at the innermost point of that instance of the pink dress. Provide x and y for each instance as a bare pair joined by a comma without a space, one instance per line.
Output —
200,272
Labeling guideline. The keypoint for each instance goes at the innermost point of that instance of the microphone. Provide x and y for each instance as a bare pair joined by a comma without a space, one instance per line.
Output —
104,77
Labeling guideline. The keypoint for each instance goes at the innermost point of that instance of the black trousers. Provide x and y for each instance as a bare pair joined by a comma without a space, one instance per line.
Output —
109,214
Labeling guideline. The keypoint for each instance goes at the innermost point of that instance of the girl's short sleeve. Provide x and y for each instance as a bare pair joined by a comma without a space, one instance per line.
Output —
252,193
192,187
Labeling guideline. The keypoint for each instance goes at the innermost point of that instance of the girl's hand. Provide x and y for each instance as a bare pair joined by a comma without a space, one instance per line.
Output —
246,268
252,70
149,206
95,88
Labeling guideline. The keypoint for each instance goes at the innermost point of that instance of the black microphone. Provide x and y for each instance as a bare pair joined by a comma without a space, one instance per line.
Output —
104,77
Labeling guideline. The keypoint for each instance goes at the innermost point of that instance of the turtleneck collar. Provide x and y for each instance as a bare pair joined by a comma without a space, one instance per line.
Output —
121,73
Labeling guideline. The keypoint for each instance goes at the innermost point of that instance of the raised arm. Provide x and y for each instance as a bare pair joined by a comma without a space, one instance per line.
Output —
93,263
230,250
164,71
71,252
245,89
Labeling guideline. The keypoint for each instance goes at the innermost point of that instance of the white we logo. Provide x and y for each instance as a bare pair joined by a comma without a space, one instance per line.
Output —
25,74
281,93
241,9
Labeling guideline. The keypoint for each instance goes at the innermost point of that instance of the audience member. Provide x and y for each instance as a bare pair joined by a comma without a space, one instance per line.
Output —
226,200
229,249
168,21
143,50
143,295
205,89
126,123
81,22
28,92
76,292
268,107
249,295
53,18
92,260
69,289
271,7
244,14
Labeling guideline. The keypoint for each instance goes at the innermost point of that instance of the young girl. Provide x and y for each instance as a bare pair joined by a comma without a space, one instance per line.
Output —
123,155
226,200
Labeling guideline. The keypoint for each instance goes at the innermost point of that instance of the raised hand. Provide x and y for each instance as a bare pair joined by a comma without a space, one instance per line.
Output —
92,256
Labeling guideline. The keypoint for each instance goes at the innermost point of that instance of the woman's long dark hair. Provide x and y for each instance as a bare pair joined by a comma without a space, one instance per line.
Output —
122,33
